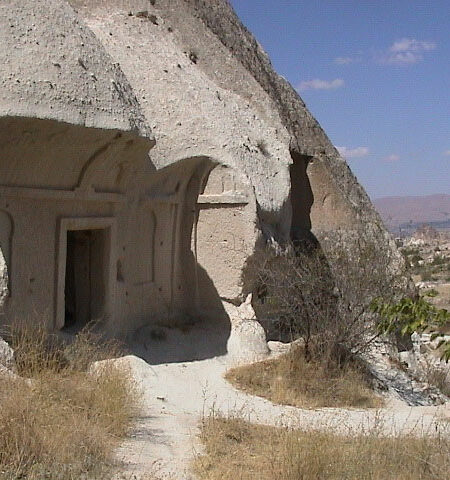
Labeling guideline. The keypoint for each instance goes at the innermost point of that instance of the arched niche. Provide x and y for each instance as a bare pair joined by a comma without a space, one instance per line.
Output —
206,230
224,231
6,229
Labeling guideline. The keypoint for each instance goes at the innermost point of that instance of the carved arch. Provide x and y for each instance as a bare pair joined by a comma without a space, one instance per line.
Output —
103,156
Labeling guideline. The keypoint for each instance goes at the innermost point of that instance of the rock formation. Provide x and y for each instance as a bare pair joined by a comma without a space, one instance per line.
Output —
6,356
100,229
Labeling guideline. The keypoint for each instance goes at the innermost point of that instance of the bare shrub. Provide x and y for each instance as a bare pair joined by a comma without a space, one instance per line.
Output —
63,422
238,449
324,299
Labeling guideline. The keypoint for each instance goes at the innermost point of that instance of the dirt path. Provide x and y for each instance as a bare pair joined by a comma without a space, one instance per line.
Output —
177,394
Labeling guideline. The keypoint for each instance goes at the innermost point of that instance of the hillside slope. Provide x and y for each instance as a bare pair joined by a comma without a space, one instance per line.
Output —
411,211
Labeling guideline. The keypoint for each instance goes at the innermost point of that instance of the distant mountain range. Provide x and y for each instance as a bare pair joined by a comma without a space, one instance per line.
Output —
406,214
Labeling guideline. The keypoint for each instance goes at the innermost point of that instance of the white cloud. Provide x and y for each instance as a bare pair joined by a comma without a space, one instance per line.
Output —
406,51
356,152
344,60
392,158
411,44
318,84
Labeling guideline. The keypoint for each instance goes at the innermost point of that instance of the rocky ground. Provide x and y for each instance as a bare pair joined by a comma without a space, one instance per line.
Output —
427,253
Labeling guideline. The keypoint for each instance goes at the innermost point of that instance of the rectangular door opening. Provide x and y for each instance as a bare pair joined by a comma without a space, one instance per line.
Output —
86,277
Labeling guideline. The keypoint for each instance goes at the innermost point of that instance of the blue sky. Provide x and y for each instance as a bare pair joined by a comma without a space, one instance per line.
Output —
376,75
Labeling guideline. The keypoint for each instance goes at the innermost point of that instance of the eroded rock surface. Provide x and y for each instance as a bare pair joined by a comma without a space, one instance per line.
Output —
7,356
210,89
53,67
247,342
3,281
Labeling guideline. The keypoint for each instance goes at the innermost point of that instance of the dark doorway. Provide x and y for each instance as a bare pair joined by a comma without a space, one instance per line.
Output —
302,200
85,279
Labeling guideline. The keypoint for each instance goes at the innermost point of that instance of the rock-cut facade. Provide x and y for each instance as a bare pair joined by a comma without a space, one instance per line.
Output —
147,149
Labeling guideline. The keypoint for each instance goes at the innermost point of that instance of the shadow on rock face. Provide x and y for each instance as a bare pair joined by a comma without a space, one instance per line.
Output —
157,345
199,335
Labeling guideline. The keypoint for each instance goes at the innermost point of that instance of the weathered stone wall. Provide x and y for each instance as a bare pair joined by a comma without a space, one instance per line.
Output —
52,172
225,233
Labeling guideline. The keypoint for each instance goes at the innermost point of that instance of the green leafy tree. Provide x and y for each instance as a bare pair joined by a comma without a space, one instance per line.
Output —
411,315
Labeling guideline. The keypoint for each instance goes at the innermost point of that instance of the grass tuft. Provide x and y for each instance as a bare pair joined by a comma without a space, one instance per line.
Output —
238,449
63,422
291,380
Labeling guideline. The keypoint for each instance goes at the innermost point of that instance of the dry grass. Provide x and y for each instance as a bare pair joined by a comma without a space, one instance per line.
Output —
291,380
236,449
62,423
